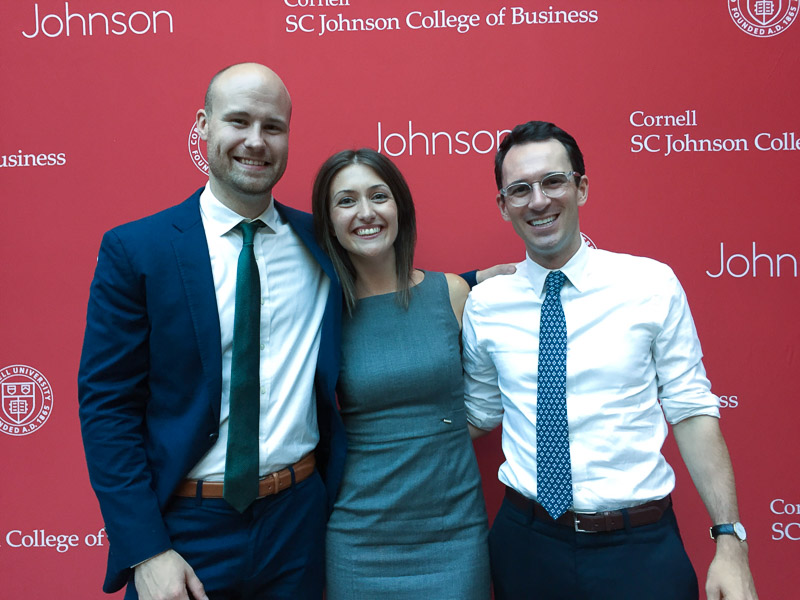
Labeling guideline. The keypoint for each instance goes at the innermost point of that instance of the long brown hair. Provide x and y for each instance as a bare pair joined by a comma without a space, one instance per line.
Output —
406,220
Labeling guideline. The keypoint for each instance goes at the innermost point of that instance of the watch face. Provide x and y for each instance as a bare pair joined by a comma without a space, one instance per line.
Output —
738,529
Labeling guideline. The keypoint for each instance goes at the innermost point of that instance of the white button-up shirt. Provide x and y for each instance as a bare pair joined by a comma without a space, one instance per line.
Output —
294,291
631,341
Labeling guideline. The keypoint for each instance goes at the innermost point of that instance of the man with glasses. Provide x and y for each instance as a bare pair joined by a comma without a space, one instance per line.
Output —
572,354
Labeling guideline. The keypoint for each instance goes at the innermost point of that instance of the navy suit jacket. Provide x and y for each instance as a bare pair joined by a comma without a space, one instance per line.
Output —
151,374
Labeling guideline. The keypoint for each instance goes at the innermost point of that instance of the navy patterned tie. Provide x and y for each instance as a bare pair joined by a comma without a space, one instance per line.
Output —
553,468
241,458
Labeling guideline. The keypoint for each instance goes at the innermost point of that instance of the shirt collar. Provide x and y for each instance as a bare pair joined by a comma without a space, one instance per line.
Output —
219,219
575,270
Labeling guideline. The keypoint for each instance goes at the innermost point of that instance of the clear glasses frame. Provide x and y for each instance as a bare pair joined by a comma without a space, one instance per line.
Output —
552,185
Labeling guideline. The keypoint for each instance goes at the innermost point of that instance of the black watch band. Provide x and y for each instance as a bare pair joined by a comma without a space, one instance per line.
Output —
735,529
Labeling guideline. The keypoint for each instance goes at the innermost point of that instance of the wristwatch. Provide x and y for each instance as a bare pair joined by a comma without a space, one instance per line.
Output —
736,529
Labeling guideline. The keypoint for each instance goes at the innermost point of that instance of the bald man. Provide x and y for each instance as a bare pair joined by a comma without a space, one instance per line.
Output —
155,378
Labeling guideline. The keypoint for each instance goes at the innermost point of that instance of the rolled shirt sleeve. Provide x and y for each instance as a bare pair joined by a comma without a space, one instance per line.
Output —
481,391
683,388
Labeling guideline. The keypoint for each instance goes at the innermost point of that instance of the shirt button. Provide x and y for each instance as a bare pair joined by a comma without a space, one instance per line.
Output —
263,390
263,346
262,301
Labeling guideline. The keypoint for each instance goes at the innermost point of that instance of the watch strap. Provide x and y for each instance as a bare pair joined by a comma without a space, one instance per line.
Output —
734,529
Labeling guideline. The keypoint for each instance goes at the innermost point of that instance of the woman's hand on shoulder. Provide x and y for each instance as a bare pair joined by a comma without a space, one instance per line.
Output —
459,290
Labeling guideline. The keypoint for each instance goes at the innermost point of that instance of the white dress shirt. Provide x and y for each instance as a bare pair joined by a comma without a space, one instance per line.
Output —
631,341
294,292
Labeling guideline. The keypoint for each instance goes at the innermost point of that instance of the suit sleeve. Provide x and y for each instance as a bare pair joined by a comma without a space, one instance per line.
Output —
471,278
113,394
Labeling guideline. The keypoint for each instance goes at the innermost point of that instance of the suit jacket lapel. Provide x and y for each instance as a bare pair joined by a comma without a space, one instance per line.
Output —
328,360
194,265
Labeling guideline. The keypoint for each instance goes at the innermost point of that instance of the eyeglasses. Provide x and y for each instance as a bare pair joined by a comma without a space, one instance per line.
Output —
553,185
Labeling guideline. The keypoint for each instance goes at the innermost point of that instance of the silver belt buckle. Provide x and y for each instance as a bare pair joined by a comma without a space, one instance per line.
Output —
575,516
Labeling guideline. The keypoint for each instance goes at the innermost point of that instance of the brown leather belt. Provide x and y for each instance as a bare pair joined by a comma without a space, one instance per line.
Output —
611,520
267,485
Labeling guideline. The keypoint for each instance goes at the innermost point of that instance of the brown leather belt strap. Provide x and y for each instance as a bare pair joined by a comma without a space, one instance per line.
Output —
612,520
267,485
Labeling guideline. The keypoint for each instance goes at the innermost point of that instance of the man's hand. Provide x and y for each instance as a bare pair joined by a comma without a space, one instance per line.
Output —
167,576
506,269
729,576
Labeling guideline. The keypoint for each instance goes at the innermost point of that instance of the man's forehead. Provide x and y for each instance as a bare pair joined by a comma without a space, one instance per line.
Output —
250,87
253,103
534,156
262,111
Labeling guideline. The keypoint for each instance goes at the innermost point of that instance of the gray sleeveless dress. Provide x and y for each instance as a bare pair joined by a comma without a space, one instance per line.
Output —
409,521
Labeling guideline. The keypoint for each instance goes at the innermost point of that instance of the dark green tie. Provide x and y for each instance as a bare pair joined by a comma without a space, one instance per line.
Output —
241,459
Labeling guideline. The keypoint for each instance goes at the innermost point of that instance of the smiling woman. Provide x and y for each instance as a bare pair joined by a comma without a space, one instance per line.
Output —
364,215
409,521
364,186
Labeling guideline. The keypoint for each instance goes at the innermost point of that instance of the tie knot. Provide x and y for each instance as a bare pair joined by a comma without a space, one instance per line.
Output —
554,282
249,229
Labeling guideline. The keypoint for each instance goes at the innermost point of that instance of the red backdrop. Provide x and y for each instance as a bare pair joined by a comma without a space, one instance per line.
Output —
686,112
